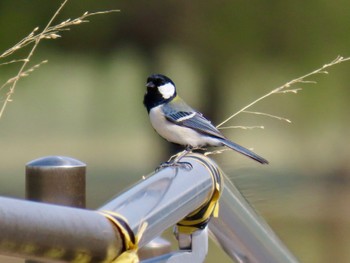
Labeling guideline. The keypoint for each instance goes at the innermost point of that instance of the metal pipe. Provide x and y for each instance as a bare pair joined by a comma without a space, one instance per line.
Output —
56,180
243,234
165,197
48,232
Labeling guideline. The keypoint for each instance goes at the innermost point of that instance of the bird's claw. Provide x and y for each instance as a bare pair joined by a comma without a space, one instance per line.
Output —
185,165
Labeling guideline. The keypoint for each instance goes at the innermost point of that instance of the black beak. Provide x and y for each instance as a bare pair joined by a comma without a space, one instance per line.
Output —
150,85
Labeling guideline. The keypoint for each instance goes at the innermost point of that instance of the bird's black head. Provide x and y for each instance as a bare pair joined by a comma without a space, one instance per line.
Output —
160,89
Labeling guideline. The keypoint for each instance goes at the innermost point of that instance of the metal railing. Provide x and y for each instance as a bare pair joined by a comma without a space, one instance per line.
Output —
53,233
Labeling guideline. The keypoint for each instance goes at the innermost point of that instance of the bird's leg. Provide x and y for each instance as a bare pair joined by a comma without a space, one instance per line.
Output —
182,154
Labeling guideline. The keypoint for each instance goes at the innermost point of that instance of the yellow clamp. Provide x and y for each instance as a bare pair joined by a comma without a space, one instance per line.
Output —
130,240
199,218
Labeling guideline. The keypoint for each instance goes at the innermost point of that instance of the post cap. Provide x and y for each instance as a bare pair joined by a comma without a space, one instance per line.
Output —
56,161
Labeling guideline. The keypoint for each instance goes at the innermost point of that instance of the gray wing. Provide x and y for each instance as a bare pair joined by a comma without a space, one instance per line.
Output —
187,117
183,115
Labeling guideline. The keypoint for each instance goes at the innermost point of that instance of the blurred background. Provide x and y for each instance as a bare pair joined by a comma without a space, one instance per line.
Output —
86,102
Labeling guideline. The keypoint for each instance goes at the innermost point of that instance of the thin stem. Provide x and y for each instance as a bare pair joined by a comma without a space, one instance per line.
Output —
301,79
49,32
26,61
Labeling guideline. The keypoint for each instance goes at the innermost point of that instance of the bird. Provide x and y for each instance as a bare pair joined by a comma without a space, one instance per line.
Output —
174,120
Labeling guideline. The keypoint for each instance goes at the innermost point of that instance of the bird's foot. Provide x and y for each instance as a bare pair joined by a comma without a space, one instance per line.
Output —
184,165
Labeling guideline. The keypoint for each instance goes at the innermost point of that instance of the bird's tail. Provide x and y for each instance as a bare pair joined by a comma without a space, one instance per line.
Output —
242,150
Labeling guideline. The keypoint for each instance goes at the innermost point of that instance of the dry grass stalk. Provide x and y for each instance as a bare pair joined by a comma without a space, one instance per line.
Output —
49,32
286,88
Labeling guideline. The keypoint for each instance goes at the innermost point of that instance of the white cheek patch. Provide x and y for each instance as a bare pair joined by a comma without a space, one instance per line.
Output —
167,90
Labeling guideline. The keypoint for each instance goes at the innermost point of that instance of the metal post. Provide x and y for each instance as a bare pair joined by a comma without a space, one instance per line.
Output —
56,180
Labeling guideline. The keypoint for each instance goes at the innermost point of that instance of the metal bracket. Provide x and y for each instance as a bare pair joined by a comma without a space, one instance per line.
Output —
193,249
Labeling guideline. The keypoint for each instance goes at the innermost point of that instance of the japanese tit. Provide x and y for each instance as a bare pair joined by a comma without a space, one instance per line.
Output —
178,123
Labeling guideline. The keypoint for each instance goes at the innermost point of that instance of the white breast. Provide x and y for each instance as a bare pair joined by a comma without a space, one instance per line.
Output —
178,134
